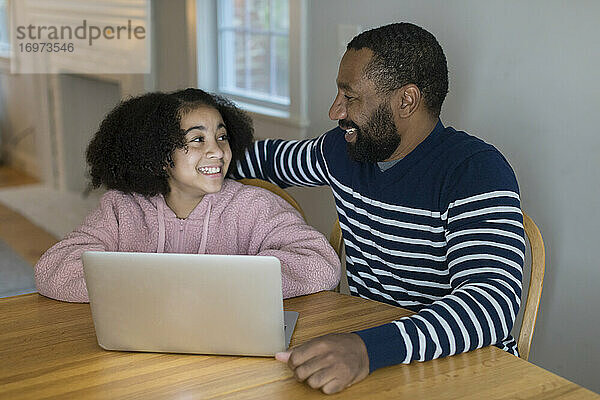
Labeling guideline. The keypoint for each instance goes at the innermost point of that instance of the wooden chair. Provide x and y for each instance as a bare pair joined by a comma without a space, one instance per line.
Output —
335,238
275,189
534,294
536,282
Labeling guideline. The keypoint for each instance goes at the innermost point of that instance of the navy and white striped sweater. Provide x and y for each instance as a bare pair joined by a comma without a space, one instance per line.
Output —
440,233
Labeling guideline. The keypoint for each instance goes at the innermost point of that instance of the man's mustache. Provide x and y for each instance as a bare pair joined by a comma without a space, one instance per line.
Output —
346,124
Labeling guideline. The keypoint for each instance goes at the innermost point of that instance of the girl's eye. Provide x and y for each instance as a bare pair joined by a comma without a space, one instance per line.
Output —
224,137
197,139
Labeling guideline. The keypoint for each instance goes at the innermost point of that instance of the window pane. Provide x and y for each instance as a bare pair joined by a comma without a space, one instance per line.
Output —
259,63
238,12
254,50
232,69
282,66
240,61
259,14
231,13
280,12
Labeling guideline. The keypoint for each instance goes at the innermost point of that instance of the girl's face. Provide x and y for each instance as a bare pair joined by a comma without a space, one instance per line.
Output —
200,167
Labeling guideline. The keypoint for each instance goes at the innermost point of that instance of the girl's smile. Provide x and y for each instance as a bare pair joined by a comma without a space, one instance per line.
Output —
199,167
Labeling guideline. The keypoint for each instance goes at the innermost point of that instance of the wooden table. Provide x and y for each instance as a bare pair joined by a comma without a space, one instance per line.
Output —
48,349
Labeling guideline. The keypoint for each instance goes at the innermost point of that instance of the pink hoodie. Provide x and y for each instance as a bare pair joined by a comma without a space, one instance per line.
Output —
239,219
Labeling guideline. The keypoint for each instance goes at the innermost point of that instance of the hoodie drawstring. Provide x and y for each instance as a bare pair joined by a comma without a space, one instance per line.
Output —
162,234
161,228
202,249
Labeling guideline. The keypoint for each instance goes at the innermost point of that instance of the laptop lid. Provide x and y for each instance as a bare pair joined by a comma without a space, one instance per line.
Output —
187,303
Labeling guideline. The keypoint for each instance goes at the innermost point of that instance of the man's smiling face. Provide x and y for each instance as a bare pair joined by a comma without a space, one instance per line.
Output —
363,112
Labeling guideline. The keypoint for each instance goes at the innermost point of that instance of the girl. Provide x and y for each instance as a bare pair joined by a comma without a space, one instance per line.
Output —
164,159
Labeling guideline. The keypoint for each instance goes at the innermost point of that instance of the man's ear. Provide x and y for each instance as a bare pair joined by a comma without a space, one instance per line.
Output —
406,100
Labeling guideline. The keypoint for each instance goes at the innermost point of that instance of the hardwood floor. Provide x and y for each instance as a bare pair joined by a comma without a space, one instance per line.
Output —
25,238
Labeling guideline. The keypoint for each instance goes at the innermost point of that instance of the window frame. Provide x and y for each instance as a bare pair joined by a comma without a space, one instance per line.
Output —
294,114
227,73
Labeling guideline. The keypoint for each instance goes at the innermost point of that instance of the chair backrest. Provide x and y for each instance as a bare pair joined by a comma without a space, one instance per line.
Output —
536,282
534,294
275,189
335,238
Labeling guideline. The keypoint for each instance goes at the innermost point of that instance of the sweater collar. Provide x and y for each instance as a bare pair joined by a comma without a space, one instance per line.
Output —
420,151
429,142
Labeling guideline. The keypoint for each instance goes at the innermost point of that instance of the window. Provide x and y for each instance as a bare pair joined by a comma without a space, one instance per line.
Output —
4,38
254,53
253,50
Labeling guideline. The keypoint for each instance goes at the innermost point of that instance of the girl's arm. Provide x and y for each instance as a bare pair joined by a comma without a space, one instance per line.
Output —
59,272
308,263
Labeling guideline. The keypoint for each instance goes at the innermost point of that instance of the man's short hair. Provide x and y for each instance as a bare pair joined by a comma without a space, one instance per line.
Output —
404,53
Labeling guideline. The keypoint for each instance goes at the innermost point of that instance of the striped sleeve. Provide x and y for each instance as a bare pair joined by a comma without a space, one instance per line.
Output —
485,248
285,162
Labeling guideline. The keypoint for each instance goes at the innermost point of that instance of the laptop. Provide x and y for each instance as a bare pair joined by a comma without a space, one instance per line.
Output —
188,303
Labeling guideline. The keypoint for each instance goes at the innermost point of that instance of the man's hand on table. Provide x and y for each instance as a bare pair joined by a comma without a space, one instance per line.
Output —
330,363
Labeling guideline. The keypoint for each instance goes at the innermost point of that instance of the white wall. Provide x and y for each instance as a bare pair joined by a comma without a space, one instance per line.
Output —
173,47
524,77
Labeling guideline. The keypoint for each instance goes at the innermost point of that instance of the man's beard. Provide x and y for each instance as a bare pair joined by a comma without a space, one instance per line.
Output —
377,139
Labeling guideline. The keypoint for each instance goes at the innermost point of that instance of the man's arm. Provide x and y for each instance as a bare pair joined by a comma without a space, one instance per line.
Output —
485,247
285,162
484,254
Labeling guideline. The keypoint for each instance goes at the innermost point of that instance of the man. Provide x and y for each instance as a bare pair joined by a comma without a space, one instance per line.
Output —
430,216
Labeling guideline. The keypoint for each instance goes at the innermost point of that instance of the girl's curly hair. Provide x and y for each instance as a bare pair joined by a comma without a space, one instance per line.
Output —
133,147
